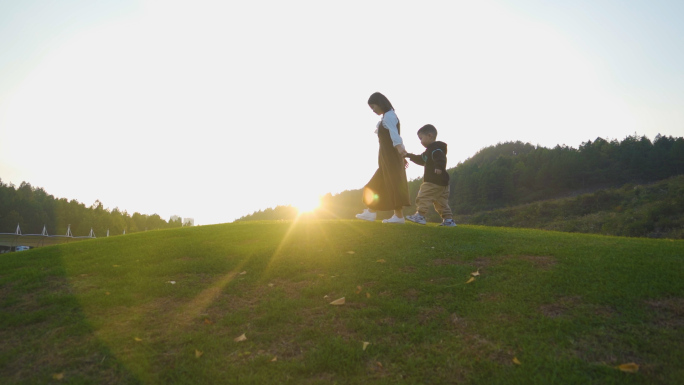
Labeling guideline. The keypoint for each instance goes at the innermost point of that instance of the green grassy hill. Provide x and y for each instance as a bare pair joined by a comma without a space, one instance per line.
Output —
167,307
654,210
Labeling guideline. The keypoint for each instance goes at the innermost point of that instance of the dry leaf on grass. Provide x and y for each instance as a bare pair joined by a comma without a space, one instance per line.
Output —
516,361
207,321
275,358
381,261
338,301
358,289
367,295
475,273
379,364
243,337
171,282
243,273
107,293
198,353
365,345
58,376
629,368
270,285
350,252
470,280
138,339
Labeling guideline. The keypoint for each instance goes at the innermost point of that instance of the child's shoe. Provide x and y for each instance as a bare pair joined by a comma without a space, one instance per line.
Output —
448,223
366,215
417,218
394,219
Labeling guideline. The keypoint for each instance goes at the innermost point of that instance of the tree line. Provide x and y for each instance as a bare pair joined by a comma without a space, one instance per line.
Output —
514,173
32,208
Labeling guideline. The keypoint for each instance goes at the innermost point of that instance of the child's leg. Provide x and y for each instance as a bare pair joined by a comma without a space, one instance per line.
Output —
442,203
425,197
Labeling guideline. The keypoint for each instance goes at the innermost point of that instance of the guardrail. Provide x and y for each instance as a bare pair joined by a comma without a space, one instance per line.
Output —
44,239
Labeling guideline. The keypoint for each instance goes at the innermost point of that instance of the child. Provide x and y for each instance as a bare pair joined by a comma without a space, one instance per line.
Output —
388,188
435,186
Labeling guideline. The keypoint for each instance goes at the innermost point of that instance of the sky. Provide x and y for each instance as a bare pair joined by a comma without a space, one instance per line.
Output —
215,109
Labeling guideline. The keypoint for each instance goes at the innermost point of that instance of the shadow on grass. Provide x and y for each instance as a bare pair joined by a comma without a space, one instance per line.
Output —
45,335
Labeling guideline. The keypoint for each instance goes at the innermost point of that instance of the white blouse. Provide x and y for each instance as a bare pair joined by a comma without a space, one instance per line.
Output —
390,121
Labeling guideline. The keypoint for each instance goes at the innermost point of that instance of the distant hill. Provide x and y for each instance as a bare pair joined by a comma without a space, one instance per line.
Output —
654,210
515,173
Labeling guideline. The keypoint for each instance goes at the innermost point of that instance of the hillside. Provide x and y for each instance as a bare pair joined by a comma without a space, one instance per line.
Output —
511,174
654,210
249,303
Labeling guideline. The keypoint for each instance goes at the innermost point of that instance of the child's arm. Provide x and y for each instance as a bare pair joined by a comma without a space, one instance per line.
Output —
417,159
439,158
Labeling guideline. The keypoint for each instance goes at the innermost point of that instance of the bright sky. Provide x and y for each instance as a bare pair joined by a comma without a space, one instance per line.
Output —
216,109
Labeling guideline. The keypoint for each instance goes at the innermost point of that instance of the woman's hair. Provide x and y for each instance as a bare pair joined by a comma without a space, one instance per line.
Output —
381,101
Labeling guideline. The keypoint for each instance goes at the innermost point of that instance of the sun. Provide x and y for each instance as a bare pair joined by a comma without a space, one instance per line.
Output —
307,204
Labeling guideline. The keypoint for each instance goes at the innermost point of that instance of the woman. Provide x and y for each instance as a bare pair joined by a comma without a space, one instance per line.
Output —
388,188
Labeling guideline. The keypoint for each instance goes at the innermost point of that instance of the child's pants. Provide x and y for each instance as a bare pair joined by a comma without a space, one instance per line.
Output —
431,193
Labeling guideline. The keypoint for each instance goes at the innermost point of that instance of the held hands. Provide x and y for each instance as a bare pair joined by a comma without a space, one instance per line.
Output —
400,148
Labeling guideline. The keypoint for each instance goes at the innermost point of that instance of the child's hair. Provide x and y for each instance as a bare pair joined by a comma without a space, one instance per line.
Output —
428,129
381,101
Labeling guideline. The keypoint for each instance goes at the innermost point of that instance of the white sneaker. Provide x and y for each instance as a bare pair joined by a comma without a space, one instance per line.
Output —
366,215
394,219
417,218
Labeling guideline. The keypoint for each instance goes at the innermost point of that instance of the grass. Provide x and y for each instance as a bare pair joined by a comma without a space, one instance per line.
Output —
568,307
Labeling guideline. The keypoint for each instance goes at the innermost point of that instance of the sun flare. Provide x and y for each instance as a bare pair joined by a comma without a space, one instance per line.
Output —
308,204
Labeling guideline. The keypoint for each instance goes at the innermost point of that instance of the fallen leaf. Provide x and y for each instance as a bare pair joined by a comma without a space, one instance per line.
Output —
381,261
470,280
365,345
275,358
171,282
350,252
198,353
516,361
243,337
629,368
338,301
58,376
270,285
243,273
138,339
207,321
367,295
107,293
358,289
379,364
476,273
325,297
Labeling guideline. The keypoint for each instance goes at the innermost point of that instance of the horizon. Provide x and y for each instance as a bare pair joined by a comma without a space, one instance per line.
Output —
148,106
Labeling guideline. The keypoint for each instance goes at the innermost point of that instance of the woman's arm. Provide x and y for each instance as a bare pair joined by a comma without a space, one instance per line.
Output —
391,122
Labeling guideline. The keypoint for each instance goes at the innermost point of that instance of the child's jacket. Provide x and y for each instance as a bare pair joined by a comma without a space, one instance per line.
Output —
433,158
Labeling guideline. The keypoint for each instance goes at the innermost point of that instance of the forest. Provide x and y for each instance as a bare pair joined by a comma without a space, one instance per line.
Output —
32,208
510,174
